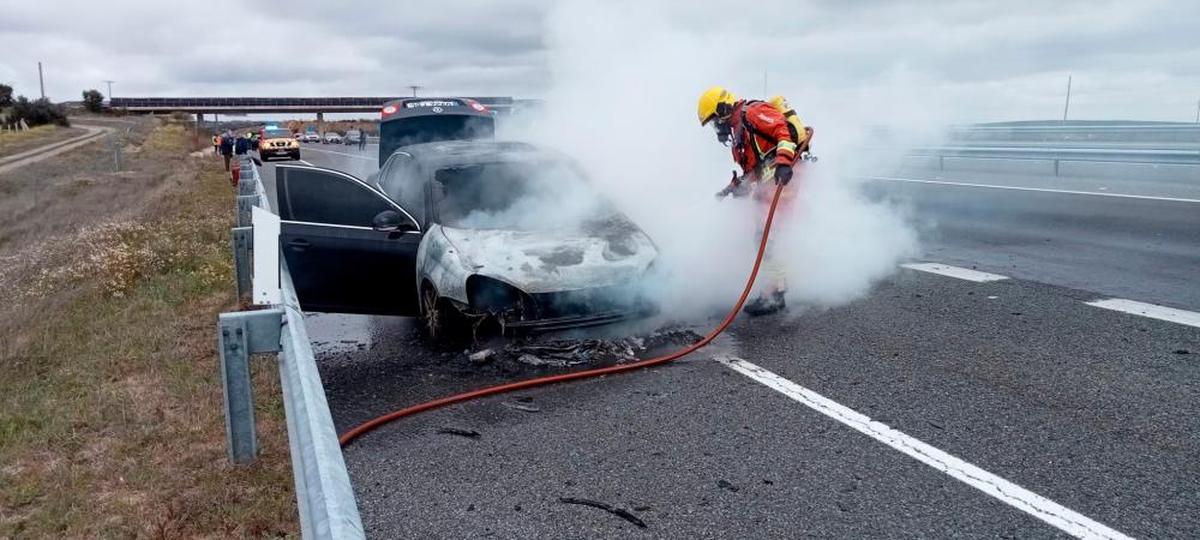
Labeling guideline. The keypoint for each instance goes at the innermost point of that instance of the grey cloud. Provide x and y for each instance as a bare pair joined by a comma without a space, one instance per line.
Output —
313,47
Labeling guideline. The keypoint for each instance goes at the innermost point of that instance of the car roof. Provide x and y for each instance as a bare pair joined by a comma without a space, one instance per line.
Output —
444,154
432,106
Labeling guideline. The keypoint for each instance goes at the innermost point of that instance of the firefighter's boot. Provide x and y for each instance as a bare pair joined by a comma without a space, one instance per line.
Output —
765,304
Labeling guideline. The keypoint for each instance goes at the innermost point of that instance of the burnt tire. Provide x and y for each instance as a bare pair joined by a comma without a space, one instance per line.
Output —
440,321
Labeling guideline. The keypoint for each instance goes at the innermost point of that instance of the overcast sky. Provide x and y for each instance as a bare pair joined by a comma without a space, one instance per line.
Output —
1006,59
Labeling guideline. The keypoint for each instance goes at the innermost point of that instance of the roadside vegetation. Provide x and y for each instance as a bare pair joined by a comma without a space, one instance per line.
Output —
33,112
110,402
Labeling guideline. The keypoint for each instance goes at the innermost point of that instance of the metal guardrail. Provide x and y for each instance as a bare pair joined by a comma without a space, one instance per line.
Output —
1080,127
1124,155
324,496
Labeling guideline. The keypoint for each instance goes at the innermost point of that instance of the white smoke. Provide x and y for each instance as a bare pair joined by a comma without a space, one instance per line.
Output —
622,101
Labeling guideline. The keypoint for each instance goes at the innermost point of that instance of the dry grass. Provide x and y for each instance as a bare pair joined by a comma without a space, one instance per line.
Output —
110,404
15,142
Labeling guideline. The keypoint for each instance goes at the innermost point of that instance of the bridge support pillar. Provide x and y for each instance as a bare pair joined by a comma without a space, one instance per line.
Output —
321,123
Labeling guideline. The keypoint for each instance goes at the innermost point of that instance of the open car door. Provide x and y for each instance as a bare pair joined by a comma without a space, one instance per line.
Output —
349,248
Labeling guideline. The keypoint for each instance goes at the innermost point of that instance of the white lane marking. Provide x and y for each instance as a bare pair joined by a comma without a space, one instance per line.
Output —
1031,503
358,156
1020,188
1153,311
305,162
955,272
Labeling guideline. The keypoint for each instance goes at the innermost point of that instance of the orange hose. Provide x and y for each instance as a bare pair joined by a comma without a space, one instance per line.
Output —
370,425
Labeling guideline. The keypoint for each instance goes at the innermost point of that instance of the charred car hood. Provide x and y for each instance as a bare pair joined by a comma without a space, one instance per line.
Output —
549,261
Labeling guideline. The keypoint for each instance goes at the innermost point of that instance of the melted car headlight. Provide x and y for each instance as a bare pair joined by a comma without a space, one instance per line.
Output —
488,295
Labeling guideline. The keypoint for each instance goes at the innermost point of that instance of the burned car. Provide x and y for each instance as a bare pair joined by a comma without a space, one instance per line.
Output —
464,233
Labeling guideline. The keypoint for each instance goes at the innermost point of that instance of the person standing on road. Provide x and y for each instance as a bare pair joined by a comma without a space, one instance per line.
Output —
767,139
362,138
241,145
216,143
227,140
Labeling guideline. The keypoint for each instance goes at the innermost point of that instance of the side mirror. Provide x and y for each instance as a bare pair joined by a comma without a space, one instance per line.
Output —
387,220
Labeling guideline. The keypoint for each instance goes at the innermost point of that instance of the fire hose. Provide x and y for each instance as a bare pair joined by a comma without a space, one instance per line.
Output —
365,427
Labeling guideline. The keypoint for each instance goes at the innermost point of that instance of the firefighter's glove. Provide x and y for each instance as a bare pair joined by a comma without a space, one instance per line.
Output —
783,174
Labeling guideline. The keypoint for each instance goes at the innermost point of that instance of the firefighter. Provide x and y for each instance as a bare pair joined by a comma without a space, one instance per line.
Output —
767,139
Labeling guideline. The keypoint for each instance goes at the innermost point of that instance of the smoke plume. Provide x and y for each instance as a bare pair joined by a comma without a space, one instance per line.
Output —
622,101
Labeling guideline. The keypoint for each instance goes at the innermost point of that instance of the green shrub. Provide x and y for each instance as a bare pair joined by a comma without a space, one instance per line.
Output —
38,112
93,100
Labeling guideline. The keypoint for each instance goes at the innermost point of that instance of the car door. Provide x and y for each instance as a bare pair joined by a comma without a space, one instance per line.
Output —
340,259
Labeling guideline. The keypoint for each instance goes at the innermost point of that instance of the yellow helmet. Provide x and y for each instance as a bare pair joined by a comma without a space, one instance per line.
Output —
711,101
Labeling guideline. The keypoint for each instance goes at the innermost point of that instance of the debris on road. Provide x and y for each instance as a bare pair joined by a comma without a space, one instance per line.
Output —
522,407
468,433
558,353
619,512
728,486
480,357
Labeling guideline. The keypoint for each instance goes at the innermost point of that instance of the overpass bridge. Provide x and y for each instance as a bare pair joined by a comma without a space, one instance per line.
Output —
259,105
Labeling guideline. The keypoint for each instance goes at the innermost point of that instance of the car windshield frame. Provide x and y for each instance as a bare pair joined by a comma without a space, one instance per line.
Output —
586,205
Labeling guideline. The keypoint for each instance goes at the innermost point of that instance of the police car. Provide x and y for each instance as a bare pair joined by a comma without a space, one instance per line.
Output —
277,142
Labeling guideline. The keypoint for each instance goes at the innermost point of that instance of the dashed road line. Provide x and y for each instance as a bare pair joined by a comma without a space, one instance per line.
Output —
1022,188
357,156
1153,311
955,272
1031,503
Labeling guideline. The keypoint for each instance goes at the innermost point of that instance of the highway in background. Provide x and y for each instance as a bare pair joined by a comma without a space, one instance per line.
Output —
1004,404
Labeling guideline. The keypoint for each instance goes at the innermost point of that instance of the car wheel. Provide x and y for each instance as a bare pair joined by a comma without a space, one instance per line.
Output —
439,320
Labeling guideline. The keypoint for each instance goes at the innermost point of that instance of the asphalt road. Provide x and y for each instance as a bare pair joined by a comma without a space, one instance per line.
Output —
1012,405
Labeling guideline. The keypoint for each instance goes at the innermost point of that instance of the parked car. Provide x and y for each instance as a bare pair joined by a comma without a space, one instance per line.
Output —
277,143
310,136
353,136
477,231
331,137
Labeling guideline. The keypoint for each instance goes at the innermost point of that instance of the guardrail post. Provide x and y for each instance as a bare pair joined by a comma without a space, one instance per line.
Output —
239,397
244,205
243,262
238,336
246,183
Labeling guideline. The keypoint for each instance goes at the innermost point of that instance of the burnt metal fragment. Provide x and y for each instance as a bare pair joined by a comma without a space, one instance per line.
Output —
468,433
619,512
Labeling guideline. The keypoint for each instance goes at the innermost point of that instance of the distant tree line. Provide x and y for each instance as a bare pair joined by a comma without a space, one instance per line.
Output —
35,113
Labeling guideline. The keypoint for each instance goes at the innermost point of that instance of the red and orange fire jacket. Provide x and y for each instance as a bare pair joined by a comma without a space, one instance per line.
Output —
760,136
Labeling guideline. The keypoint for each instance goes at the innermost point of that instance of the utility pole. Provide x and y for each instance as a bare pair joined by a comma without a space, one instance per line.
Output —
415,87
41,82
1067,106
109,88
